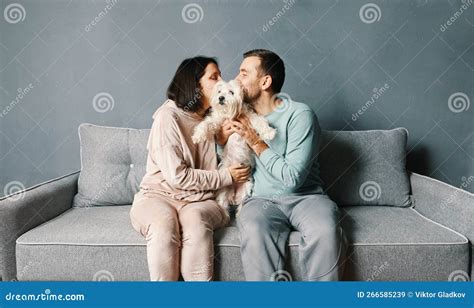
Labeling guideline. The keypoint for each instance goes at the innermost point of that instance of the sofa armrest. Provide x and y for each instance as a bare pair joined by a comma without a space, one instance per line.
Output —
22,211
446,204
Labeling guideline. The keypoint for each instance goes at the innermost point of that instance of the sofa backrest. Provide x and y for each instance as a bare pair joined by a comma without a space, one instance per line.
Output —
358,167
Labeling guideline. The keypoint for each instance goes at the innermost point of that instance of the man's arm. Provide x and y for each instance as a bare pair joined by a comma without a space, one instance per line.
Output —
293,167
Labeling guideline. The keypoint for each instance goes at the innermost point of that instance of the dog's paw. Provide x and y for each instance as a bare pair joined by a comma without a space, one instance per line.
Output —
268,134
198,137
222,199
237,211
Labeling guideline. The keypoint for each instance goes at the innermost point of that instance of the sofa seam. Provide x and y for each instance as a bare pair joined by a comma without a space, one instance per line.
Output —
238,246
39,185
443,226
443,183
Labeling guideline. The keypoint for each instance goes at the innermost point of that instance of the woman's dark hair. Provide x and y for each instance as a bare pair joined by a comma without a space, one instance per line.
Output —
184,88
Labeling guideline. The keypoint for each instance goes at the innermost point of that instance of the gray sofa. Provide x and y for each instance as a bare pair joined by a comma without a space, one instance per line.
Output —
77,227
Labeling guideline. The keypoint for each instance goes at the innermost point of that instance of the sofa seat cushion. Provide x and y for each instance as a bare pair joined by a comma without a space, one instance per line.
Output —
99,243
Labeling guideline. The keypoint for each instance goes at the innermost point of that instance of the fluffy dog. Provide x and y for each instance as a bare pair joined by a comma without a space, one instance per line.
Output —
226,103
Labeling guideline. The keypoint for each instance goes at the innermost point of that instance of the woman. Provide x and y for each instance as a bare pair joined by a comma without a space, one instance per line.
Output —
175,208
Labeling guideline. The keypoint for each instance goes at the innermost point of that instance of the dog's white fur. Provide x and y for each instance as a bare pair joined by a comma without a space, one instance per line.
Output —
227,103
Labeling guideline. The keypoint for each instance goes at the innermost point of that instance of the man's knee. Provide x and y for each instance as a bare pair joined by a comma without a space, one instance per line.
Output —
254,225
253,218
323,201
323,223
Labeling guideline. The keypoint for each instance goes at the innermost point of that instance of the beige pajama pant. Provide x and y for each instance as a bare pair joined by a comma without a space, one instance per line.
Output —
179,235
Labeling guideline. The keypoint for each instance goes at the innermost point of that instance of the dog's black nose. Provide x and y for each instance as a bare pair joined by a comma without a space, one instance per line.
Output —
221,98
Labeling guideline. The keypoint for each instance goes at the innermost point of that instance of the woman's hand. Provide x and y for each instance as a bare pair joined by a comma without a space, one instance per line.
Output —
227,129
244,128
240,173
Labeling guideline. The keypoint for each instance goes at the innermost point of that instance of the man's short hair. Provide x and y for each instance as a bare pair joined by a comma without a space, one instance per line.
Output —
270,64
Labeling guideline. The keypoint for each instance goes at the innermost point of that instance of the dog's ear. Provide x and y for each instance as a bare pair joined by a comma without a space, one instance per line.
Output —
236,86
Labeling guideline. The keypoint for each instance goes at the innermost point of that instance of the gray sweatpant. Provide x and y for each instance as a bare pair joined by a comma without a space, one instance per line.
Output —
265,225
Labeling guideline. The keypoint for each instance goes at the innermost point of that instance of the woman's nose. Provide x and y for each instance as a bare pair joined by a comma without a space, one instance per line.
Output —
219,78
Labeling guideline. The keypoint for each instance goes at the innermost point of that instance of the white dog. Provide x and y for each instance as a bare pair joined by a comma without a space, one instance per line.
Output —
226,103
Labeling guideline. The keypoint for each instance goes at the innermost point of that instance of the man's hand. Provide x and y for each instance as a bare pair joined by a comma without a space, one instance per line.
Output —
227,129
244,128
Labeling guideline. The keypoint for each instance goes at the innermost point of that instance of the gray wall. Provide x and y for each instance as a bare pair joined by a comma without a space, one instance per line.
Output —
53,62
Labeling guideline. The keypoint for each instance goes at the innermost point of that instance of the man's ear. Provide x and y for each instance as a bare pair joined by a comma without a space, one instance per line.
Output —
266,82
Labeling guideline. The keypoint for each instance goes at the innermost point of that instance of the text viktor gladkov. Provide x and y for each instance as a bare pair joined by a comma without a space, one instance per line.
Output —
441,294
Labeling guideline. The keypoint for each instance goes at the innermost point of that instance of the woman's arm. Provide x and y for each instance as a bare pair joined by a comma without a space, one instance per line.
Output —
166,149
180,176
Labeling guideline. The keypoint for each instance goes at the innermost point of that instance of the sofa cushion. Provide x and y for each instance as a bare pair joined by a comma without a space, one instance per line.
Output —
365,167
358,167
385,243
113,162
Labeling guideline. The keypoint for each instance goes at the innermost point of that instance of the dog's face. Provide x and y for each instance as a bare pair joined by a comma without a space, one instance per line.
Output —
227,98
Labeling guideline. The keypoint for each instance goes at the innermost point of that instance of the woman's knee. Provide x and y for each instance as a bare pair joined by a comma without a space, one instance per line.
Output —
195,225
147,210
164,235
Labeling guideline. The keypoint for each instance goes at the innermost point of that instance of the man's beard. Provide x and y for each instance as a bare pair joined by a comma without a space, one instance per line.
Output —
251,99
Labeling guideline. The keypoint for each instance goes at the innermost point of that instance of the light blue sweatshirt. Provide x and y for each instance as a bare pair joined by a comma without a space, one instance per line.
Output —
290,165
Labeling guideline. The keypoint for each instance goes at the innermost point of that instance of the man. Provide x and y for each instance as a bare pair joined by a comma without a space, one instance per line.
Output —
288,191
